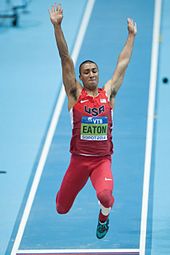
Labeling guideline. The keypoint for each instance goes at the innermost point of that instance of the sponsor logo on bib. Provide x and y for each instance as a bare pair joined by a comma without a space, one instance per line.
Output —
94,128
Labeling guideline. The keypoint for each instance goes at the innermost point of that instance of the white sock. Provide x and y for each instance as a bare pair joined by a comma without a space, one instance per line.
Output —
105,211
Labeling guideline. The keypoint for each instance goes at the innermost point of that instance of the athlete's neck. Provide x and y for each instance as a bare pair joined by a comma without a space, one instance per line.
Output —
92,93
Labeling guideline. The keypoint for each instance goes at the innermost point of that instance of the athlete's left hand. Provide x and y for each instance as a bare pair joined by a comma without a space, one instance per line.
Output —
132,27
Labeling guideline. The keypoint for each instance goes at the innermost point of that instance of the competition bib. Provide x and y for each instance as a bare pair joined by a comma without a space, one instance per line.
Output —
94,128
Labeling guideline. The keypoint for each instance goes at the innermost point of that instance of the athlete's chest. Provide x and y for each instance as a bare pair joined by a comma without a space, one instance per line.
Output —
92,106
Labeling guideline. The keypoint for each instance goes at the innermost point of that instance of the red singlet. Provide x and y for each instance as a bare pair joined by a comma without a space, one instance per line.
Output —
92,125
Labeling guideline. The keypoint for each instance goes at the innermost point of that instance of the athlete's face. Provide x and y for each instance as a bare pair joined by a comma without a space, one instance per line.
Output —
89,76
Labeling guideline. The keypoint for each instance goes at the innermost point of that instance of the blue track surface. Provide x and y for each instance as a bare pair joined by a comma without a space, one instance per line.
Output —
104,39
46,229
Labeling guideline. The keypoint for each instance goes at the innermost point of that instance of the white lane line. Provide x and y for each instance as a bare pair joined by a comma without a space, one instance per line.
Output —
150,124
50,134
79,251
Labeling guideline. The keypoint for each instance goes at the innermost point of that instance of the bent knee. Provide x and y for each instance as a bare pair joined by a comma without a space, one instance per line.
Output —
106,198
61,210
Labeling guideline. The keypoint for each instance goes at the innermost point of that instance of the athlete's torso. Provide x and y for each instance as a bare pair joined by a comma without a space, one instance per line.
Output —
92,125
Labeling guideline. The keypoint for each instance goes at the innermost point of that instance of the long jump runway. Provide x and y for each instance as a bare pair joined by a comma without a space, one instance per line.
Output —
39,230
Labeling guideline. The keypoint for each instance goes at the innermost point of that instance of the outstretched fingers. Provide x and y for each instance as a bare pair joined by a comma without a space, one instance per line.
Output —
132,27
55,8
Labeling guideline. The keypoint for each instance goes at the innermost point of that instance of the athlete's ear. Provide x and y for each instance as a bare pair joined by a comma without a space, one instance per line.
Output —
80,77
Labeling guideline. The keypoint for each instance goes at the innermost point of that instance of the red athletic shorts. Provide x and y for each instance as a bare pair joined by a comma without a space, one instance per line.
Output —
77,174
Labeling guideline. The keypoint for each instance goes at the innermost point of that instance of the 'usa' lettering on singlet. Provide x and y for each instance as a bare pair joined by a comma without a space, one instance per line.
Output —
94,111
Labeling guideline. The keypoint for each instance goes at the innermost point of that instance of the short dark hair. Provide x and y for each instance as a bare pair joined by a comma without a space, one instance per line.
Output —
86,61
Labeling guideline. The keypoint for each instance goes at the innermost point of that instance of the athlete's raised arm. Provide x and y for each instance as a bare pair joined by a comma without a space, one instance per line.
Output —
113,85
69,79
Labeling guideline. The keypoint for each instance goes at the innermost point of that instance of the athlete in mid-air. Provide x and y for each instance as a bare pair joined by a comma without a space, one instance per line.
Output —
91,108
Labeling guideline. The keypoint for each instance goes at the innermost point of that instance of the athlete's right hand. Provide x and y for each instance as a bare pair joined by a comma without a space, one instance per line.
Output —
56,14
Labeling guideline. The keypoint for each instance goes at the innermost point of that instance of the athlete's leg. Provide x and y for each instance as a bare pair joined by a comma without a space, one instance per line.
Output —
74,180
102,181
